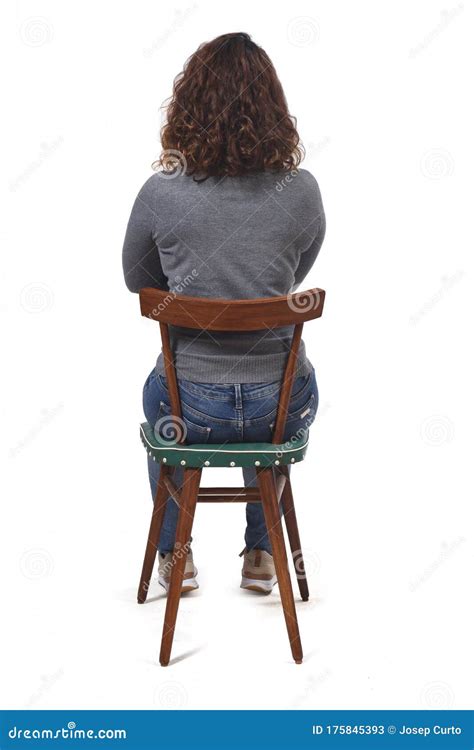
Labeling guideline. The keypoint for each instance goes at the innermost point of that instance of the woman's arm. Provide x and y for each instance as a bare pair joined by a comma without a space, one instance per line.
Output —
308,257
140,256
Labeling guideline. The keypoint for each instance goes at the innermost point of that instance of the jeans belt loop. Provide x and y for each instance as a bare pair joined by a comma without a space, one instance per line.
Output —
238,395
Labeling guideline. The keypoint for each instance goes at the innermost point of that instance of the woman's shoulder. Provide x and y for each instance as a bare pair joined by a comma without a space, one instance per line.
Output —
299,186
161,180
160,186
296,185
307,180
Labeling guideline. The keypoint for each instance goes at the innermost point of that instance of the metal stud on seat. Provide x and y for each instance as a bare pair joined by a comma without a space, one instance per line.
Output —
257,463
277,463
207,463
183,462
164,460
232,463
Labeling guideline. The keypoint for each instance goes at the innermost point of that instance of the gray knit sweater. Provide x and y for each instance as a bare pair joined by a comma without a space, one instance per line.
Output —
230,238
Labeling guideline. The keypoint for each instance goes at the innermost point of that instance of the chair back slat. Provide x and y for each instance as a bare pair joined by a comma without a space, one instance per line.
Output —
231,316
287,385
173,390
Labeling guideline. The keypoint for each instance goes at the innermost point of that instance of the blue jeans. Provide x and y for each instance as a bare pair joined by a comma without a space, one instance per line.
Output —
218,413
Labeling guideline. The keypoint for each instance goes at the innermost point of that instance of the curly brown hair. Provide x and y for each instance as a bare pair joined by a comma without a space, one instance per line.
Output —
228,114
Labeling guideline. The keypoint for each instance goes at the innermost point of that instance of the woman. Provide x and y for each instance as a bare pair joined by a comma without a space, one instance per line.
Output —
229,215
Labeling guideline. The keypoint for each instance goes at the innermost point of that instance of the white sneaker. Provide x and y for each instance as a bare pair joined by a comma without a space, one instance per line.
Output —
258,571
165,567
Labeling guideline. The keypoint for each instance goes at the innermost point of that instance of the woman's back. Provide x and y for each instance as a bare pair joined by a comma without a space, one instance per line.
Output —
226,237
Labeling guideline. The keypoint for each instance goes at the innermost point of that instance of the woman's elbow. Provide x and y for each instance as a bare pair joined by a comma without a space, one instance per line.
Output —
132,283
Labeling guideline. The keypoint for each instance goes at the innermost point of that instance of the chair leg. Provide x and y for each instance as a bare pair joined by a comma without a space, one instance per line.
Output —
266,483
188,499
159,507
289,513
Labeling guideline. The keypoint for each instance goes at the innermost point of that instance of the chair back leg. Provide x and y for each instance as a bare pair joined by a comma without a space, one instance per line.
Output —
289,514
266,483
159,507
187,506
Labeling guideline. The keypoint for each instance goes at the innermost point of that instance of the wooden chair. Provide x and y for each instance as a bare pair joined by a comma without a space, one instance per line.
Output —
271,460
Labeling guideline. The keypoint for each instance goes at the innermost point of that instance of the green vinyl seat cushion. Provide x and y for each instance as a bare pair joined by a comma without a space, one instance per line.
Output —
227,454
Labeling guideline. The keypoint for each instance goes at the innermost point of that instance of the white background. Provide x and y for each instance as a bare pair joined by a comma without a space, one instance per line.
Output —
382,93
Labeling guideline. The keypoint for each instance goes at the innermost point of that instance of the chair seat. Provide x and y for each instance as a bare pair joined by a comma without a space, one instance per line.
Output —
227,454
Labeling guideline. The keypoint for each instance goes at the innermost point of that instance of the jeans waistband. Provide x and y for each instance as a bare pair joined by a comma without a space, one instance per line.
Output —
237,392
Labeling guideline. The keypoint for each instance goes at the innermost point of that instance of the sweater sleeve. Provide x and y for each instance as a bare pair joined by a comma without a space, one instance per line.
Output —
140,256
311,253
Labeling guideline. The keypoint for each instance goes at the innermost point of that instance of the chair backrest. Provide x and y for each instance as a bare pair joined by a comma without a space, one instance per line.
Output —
202,314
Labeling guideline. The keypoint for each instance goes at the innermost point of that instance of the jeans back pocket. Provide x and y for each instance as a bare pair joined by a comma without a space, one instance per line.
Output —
179,430
299,421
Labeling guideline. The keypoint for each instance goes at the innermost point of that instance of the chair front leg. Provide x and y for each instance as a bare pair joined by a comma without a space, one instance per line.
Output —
159,507
266,483
188,499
